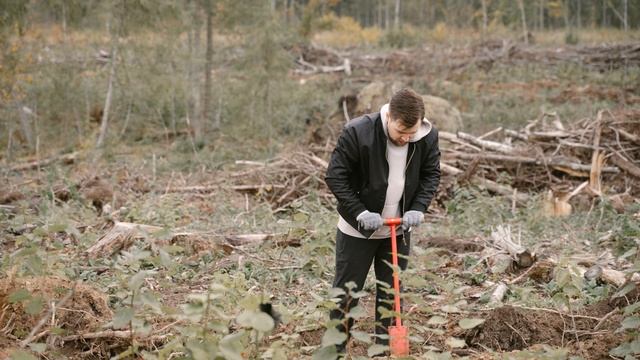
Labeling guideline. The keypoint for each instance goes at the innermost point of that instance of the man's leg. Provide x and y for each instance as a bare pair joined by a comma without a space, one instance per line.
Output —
384,273
353,260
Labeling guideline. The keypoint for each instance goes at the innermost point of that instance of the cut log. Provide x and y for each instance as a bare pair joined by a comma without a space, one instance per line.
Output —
558,206
501,263
259,239
626,165
119,237
540,272
248,239
65,159
606,275
501,238
488,184
122,235
498,294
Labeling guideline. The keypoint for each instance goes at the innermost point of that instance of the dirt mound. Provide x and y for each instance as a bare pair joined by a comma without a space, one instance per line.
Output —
598,346
85,311
629,298
508,328
457,246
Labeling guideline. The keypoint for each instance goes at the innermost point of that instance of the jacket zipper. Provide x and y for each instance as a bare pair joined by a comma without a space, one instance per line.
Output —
403,192
404,238
386,157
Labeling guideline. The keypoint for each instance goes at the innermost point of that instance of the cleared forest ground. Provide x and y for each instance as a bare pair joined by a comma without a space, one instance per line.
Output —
156,250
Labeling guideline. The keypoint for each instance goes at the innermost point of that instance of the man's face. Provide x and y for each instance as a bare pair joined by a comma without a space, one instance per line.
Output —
399,134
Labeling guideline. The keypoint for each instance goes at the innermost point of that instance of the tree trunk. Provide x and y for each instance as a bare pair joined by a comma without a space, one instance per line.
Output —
386,15
579,13
193,43
542,6
206,97
484,17
104,123
285,4
626,15
620,17
524,22
396,19
566,15
64,21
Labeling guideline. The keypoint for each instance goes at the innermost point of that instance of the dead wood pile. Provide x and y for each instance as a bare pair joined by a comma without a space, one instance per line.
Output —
599,155
77,307
289,177
313,59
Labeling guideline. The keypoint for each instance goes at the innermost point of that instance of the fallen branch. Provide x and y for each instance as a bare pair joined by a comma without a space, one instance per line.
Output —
486,144
498,294
607,275
625,165
314,69
65,159
212,188
120,334
597,159
555,162
259,239
488,184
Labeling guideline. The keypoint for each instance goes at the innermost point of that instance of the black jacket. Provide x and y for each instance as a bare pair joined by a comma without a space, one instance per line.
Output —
358,170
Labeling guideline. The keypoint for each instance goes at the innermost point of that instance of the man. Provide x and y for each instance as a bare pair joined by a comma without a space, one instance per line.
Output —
385,165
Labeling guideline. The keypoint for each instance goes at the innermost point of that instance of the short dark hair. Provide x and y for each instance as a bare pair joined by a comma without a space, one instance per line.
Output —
407,106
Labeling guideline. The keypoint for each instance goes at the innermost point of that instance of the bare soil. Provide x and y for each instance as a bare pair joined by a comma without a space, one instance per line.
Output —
85,311
454,245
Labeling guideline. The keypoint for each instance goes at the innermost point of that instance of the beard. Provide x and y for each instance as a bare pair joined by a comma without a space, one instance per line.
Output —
397,142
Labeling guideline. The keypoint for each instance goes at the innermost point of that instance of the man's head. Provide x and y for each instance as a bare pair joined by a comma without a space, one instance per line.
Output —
406,111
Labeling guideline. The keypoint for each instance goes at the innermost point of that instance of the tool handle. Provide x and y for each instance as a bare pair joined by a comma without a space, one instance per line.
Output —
393,221
394,259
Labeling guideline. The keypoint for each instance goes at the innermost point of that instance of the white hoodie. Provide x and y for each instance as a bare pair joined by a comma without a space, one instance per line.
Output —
397,160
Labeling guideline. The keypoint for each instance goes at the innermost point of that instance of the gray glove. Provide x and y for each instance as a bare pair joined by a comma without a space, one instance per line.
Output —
411,218
369,221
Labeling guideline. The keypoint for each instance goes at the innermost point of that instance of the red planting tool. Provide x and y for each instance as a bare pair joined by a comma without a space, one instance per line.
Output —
398,335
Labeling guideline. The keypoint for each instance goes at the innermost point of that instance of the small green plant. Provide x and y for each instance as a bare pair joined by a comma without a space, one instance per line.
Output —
571,38
630,325
399,38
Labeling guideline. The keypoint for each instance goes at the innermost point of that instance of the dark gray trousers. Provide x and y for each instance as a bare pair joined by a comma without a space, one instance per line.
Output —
353,261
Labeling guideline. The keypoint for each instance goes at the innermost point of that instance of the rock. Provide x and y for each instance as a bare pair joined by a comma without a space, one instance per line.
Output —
373,96
439,111
442,114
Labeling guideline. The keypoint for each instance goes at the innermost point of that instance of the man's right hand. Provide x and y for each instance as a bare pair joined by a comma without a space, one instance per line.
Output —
369,221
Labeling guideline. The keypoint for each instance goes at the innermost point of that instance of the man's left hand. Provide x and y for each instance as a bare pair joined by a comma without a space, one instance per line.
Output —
412,218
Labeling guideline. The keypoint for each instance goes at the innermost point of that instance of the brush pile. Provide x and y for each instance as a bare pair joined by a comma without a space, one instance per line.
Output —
285,179
598,155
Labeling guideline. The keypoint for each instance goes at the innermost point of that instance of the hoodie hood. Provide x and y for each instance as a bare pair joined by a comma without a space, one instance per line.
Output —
423,131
